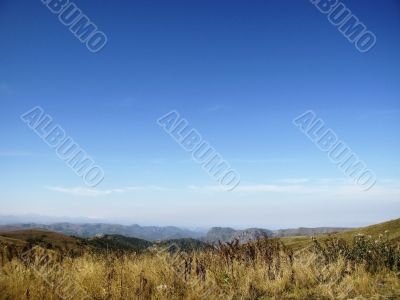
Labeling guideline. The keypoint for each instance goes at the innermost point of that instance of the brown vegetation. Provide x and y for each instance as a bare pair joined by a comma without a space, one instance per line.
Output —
266,269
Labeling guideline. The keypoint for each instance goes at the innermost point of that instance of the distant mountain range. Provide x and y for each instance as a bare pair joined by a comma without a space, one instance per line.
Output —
150,233
227,234
154,233
19,241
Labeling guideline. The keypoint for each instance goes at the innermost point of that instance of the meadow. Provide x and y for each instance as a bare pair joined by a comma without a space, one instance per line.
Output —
366,267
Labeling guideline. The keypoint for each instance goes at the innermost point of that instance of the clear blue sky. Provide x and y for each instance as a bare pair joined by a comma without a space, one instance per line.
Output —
239,72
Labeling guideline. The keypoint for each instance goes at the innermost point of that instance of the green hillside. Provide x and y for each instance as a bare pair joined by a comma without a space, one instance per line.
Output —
116,242
21,240
43,238
390,228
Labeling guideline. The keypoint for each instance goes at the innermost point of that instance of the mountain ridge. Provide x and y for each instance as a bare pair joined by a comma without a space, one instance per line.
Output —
161,233
150,233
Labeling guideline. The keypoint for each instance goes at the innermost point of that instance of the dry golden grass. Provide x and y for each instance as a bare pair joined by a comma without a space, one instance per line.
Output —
391,228
267,269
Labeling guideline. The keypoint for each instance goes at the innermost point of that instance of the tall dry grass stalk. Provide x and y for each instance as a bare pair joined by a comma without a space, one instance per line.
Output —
266,269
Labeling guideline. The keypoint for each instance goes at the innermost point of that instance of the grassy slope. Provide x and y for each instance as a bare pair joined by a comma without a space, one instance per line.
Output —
391,227
57,241
40,237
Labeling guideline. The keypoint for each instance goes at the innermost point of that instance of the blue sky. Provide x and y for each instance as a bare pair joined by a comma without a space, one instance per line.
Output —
239,72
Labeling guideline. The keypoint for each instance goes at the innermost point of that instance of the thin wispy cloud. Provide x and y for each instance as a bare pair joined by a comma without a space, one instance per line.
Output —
263,161
293,180
255,188
95,192
148,188
83,191
153,161
314,181
275,188
323,186
15,154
